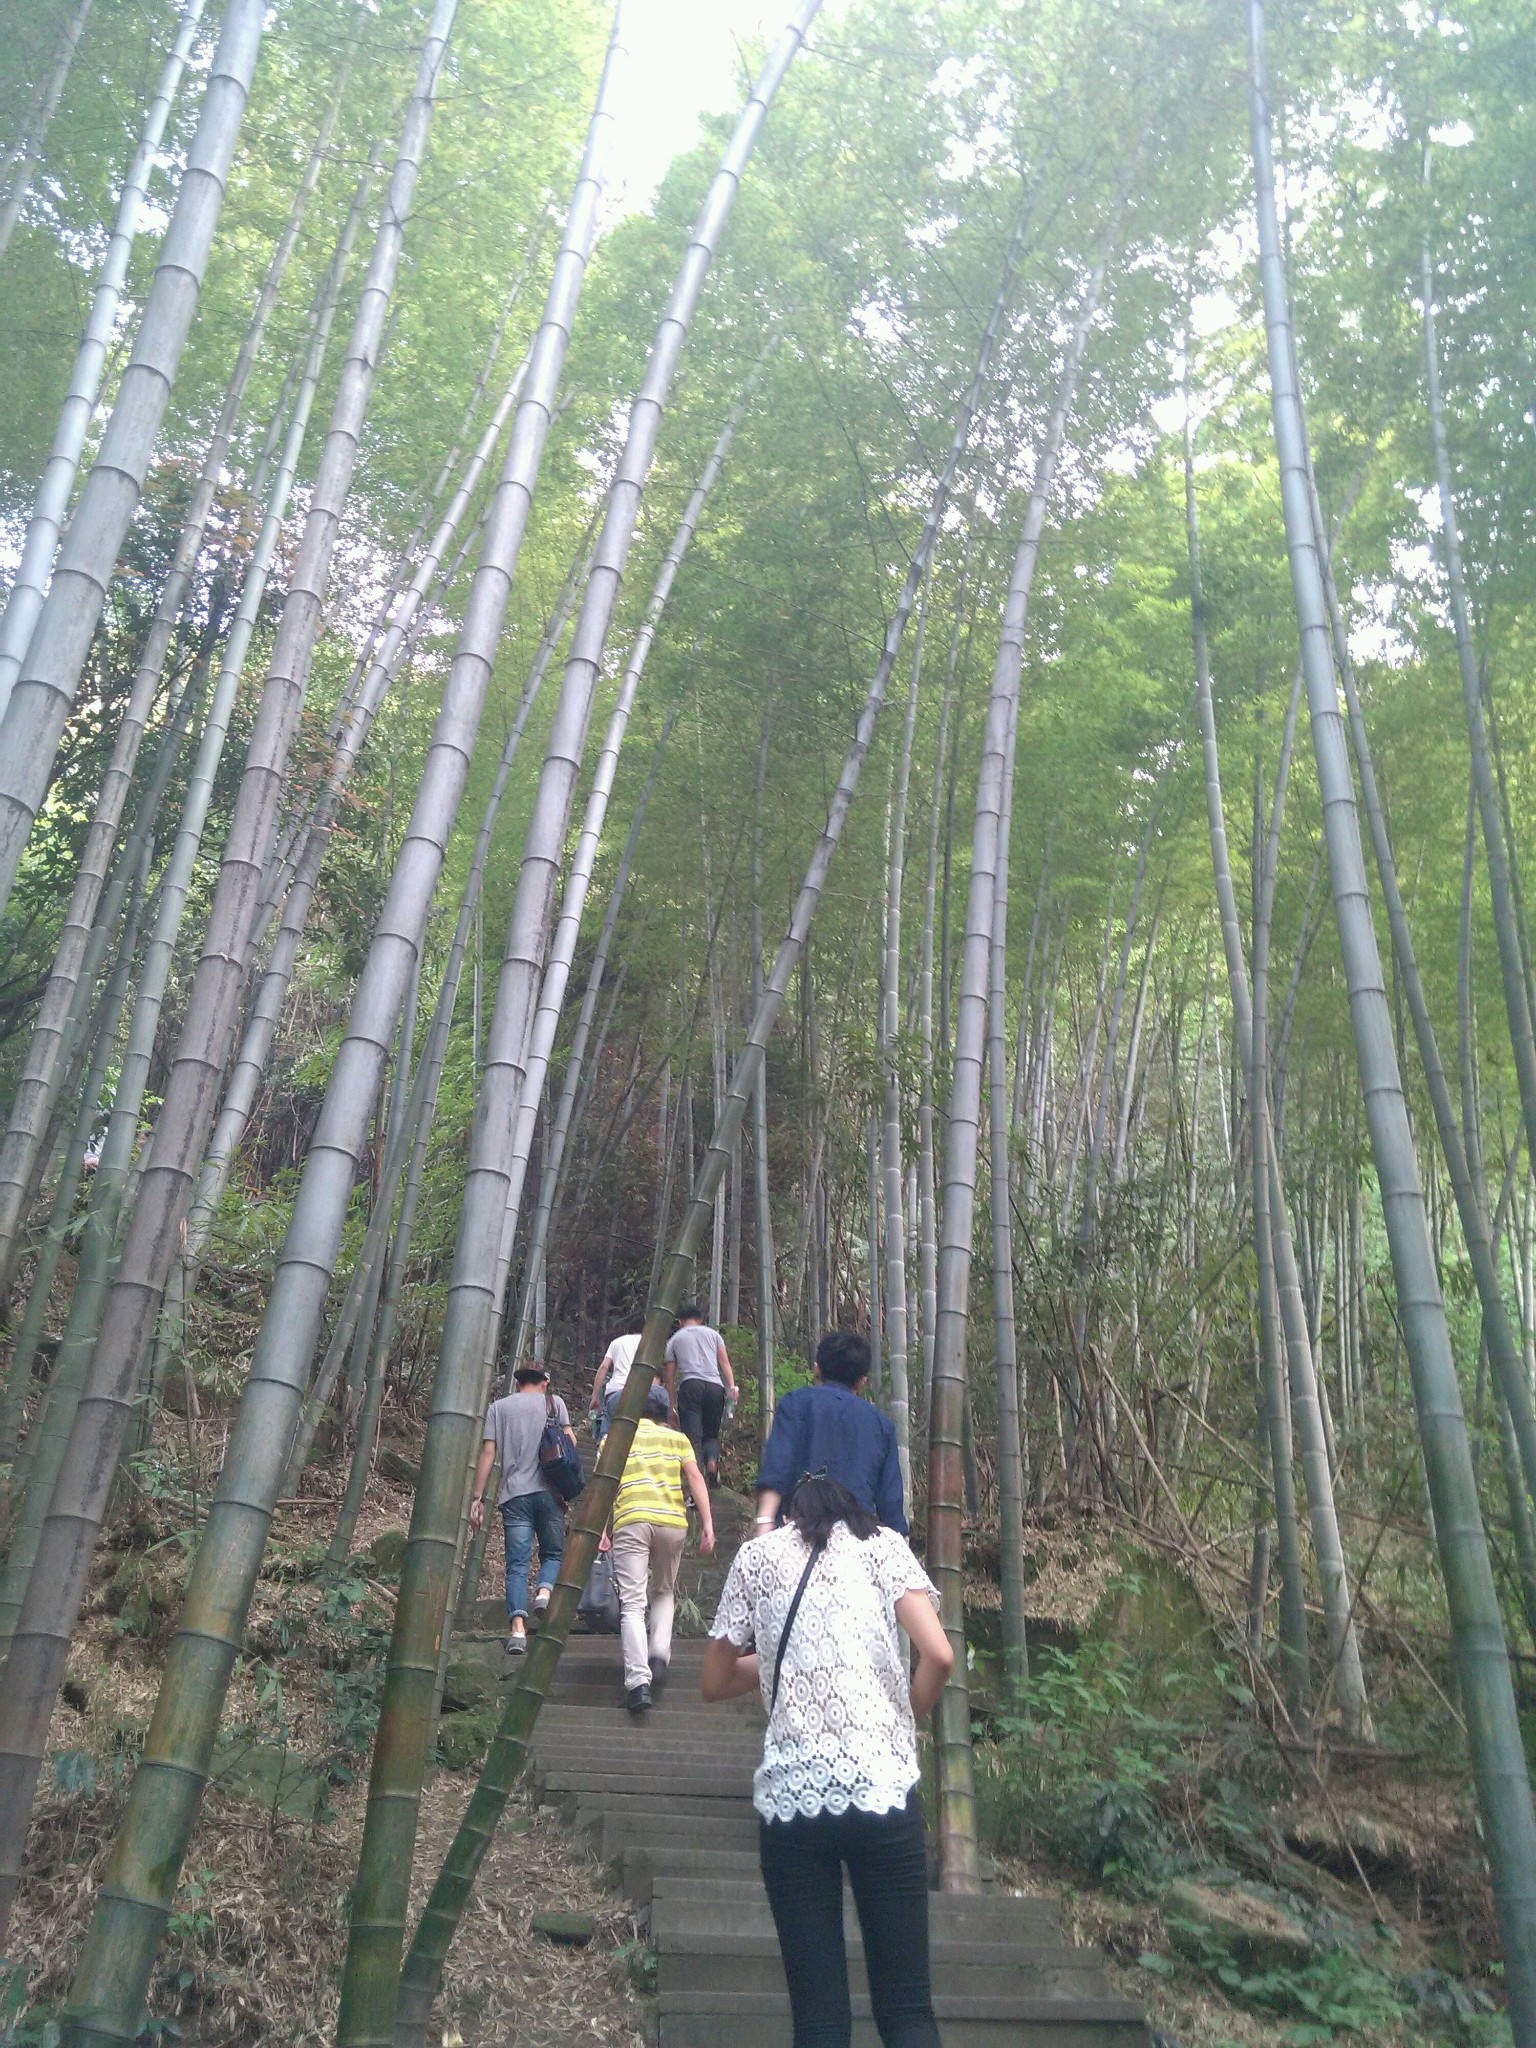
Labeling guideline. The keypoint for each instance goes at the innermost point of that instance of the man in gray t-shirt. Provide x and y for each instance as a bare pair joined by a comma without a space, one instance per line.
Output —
514,1426
699,1383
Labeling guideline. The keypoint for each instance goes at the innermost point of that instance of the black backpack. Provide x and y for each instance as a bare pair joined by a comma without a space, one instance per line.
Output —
559,1466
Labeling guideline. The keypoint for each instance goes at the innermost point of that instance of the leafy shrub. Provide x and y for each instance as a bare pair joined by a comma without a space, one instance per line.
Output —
1083,1772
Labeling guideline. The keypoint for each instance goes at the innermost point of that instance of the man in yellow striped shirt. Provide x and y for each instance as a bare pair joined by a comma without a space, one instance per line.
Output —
650,1527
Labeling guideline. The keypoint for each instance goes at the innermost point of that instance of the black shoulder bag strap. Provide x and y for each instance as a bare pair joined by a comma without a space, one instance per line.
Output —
789,1622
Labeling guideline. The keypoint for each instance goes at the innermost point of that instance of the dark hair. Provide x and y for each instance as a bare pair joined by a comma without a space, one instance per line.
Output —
843,1355
816,1506
527,1374
657,1406
690,1312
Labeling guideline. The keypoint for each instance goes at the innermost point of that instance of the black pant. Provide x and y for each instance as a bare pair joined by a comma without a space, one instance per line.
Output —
803,1863
700,1405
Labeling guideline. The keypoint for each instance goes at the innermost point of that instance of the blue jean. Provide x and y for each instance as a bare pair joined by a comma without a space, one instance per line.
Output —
524,1517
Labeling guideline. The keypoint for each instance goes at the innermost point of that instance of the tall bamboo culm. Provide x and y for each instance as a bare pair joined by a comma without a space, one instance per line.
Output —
1493,1729
95,903
30,582
107,1999
424,1964
482,1254
109,1183
250,1066
22,158
50,675
958,1858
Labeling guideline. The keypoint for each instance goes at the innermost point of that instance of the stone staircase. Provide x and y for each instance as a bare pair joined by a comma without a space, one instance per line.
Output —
665,1800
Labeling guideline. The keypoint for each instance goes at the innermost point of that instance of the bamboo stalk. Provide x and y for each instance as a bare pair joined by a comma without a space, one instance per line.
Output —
49,677
422,1973
30,582
49,1049
958,1860
21,160
107,1995
1493,1731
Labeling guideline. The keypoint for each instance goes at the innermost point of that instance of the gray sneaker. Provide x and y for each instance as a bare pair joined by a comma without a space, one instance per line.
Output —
517,1643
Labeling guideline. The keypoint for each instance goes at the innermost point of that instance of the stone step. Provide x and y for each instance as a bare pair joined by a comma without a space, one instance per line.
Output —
1064,1976
664,1720
606,1689
687,1651
604,1716
639,1869
621,1831
588,1811
660,1784
755,2019
648,1749
580,1649
687,1908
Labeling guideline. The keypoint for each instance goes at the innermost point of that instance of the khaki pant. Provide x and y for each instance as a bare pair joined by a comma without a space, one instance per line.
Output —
645,1562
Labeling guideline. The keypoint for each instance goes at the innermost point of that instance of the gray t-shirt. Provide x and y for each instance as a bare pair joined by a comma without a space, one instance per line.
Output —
514,1424
695,1351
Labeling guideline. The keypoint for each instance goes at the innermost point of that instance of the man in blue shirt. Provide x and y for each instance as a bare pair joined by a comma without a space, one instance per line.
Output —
828,1428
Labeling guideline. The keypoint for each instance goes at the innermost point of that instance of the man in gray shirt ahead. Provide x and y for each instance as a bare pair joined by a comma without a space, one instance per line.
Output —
529,1510
699,1383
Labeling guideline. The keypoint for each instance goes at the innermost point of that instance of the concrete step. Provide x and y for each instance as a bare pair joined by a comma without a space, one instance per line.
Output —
646,1747
600,1704
687,1651
587,1811
639,1869
557,1782
606,1690
685,1830
748,2019
1063,1976
685,1909
626,1735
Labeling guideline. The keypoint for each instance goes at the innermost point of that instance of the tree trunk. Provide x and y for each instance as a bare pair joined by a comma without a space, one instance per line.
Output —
1010,1442
22,159
928,1223
1272,1405
19,1373
251,1065
1496,850
108,1991
1493,1731
895,1320
509,1088
93,1277
422,1108
45,687
48,1052
762,1195
1467,1182
958,1861
422,1974
30,582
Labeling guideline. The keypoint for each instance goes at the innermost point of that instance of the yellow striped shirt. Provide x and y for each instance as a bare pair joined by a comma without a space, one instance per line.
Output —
652,1487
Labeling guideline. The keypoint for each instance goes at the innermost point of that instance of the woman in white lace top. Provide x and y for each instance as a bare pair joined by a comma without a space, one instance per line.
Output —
812,1616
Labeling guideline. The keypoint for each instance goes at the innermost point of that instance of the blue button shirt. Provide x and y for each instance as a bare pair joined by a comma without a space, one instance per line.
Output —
828,1426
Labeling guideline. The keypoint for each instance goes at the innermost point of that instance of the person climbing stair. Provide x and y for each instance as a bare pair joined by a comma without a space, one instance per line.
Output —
699,1382
650,1528
514,1429
812,1617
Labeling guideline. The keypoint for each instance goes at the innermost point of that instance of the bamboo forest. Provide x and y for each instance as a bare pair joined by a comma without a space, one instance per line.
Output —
906,721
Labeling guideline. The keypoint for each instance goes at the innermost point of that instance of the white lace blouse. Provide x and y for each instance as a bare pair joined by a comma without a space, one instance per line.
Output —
842,1733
